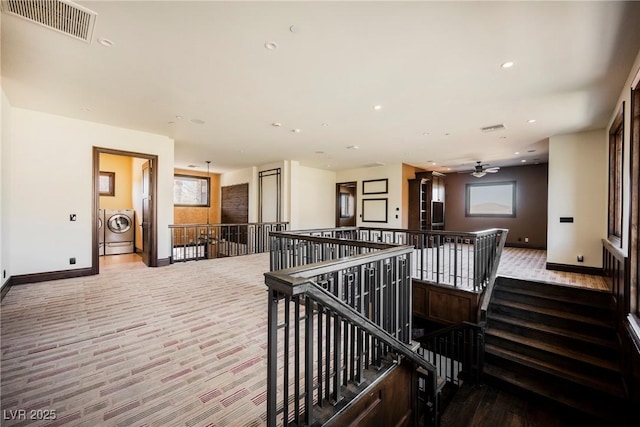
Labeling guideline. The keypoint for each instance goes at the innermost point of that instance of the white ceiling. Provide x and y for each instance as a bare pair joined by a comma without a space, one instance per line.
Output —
434,67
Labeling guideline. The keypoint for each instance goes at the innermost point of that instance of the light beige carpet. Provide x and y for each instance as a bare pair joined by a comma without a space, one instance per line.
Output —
179,345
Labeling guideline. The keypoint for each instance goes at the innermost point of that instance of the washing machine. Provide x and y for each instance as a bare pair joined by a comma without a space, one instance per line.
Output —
118,231
100,232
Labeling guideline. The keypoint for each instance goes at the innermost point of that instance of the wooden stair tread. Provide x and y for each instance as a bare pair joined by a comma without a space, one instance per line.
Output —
512,282
550,296
552,330
554,370
557,350
541,388
551,312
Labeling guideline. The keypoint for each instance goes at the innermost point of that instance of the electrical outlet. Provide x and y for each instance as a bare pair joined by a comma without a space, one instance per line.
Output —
72,261
72,217
526,240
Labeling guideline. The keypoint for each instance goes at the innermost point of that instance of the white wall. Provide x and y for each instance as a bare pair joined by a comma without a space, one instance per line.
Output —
394,173
51,177
313,197
578,189
5,125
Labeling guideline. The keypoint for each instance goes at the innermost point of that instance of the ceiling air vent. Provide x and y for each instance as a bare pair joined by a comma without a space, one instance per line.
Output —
493,128
373,165
59,15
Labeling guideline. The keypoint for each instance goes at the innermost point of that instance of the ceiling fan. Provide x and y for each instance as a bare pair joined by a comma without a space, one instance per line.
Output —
481,170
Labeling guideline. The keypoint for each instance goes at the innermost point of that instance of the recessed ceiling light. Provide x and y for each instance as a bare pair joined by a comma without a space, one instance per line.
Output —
105,42
523,161
531,121
325,125
425,133
353,147
377,107
433,163
179,117
516,153
507,64
276,124
295,130
197,121
293,29
271,45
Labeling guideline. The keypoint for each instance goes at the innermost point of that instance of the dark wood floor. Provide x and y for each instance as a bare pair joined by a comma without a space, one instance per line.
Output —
489,406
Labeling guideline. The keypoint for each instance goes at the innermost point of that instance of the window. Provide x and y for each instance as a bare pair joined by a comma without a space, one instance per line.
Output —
634,202
191,190
492,199
616,149
345,211
107,183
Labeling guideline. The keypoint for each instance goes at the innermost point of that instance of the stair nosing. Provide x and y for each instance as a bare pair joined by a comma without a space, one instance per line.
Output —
567,400
551,312
558,331
558,298
553,349
567,376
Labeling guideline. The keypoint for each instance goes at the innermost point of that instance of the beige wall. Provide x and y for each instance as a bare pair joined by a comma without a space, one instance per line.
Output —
60,149
394,195
577,188
121,166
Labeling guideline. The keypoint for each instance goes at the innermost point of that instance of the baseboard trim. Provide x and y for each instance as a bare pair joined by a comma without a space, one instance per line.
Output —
594,271
50,275
5,288
163,262
524,245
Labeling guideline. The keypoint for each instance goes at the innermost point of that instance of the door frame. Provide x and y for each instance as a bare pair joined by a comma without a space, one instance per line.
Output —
95,259
350,184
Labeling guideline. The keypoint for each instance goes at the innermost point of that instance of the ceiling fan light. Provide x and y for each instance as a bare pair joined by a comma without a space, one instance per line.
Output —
479,174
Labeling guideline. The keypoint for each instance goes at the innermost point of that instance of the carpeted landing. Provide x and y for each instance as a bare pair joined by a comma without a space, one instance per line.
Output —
179,345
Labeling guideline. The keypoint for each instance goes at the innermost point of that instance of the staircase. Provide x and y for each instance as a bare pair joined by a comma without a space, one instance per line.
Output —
557,342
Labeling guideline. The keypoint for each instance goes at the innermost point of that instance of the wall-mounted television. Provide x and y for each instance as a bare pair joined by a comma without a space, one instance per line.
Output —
437,211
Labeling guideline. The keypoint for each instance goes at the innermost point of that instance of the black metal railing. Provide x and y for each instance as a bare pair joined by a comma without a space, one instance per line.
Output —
456,351
459,259
328,324
204,241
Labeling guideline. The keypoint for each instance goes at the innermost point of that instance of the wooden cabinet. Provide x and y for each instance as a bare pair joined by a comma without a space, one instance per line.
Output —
426,201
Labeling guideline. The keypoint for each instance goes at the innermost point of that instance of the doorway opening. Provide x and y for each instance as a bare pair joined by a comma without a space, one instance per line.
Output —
346,202
124,210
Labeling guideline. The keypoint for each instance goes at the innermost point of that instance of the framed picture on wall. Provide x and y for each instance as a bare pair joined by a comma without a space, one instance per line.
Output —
375,186
491,199
374,210
107,183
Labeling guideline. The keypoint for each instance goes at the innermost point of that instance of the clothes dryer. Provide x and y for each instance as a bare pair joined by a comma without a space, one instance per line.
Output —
118,231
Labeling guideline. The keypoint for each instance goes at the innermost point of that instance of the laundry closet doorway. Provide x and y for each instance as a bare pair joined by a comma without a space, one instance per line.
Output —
124,209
